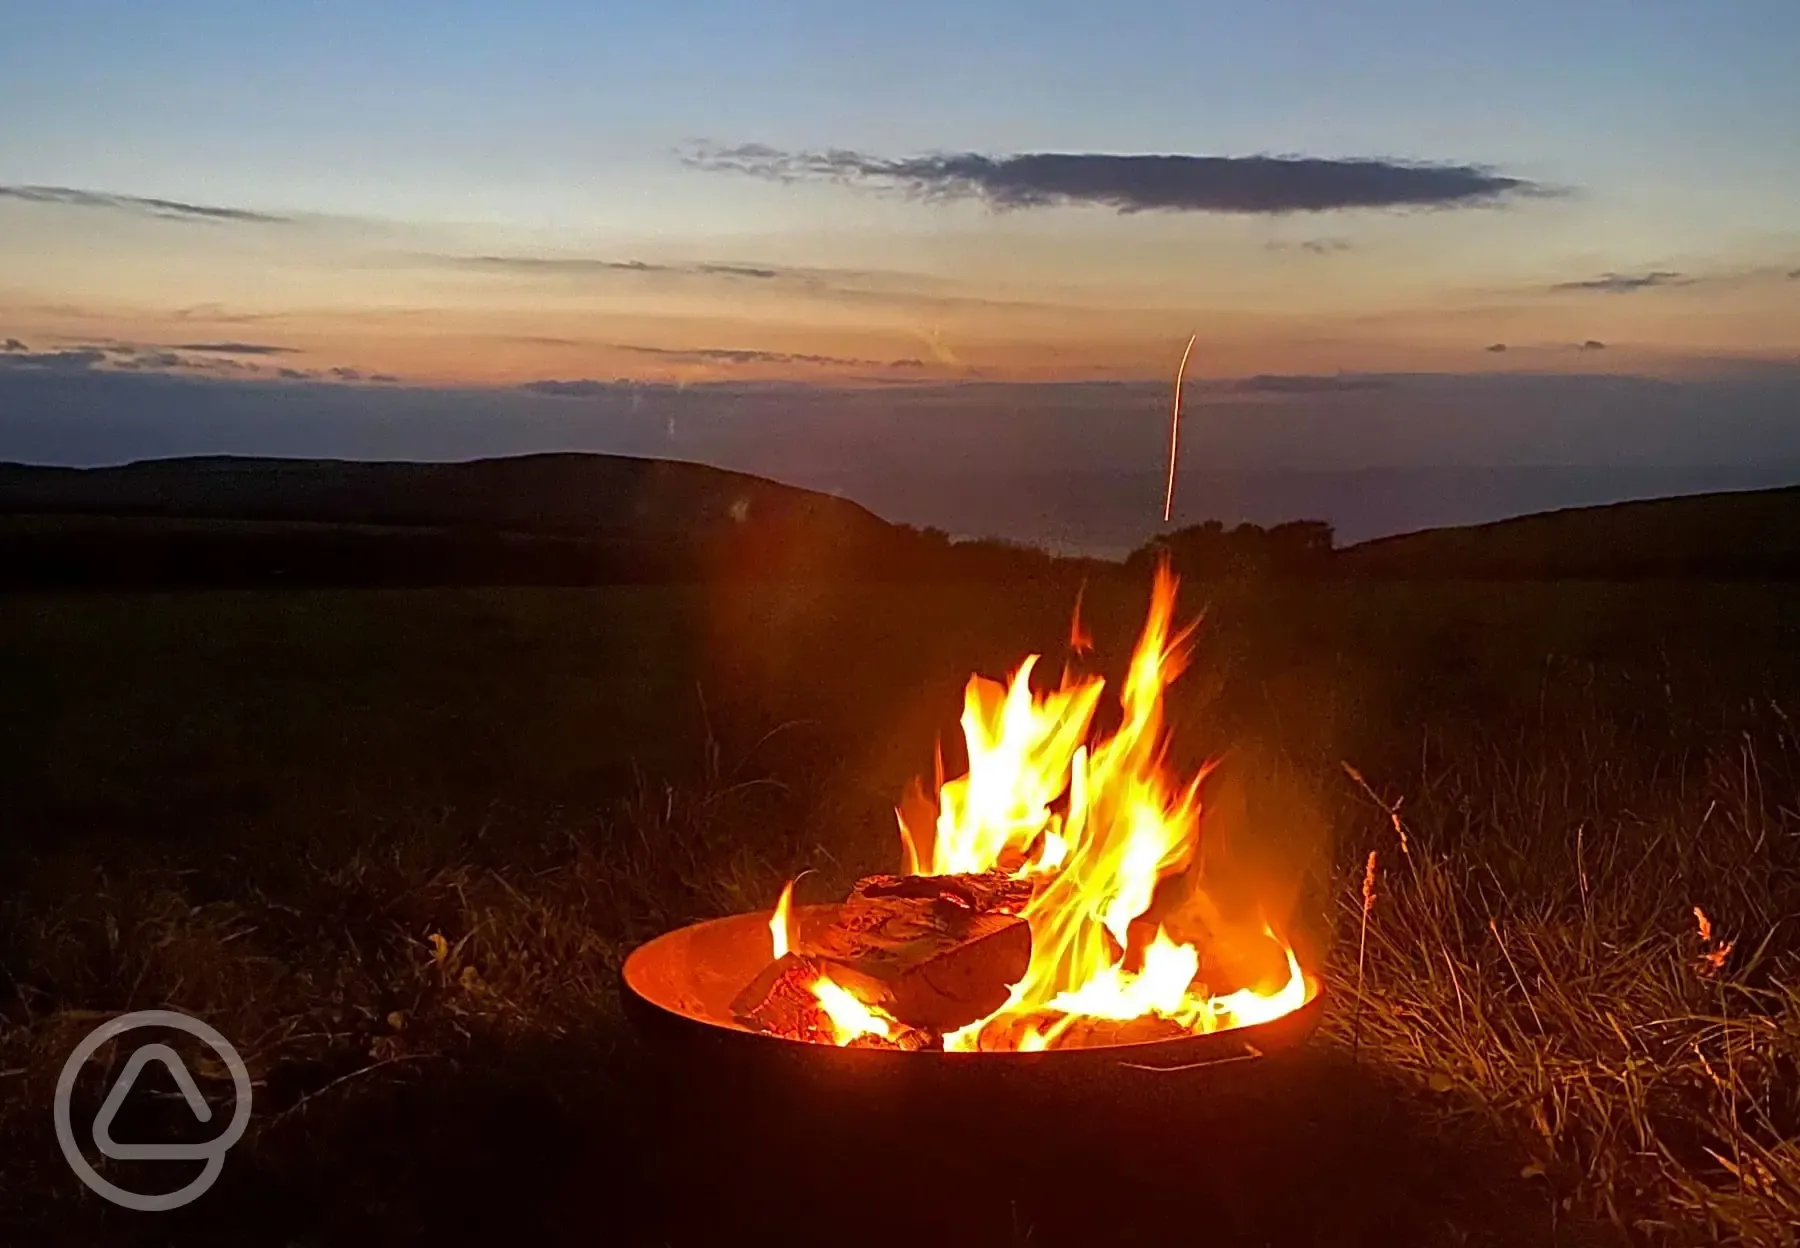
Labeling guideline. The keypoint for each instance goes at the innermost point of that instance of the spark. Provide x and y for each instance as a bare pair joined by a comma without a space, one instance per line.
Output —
1175,428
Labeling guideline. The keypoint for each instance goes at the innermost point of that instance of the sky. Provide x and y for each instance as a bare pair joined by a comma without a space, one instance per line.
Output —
547,200
842,192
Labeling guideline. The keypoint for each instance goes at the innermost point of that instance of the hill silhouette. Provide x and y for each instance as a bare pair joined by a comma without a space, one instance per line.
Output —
580,519
569,494
554,519
1753,533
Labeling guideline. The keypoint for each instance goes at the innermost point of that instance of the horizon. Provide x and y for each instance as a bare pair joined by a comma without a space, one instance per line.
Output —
825,246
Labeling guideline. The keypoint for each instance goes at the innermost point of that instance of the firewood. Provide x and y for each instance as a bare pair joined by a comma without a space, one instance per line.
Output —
780,1001
1006,1034
906,1039
928,961
1093,1032
990,892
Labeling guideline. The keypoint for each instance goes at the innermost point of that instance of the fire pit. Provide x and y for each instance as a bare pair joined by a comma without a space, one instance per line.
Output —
1053,913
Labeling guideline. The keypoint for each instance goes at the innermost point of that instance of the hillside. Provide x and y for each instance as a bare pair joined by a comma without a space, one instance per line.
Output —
565,519
579,495
1754,533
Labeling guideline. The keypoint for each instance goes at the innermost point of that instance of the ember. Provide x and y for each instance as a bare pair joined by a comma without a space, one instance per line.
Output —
1050,899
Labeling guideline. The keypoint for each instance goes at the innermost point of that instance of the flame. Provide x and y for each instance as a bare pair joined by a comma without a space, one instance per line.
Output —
1103,827
849,1017
780,923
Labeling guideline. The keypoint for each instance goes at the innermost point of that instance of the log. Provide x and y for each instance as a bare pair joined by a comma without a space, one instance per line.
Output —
780,1001
931,961
901,1037
991,892
1079,1032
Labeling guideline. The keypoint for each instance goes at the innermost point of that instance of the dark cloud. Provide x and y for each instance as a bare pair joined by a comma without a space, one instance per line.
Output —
743,355
293,374
1313,246
236,348
736,270
76,361
347,374
1496,348
12,344
384,379
1296,383
139,205
1794,275
580,264
1592,344
1627,283
1173,183
909,362
586,388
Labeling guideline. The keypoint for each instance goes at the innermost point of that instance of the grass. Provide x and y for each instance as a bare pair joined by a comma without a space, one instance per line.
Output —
1534,954
395,845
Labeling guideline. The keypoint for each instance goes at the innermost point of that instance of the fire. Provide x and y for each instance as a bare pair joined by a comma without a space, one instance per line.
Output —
1107,837
1105,825
779,923
849,1017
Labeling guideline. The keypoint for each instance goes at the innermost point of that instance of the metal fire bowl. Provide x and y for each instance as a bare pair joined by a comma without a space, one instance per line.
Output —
679,991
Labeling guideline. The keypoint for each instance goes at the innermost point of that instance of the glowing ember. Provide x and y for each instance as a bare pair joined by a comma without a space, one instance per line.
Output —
1103,837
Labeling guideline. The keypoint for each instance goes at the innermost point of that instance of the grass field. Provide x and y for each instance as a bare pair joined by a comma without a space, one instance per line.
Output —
262,807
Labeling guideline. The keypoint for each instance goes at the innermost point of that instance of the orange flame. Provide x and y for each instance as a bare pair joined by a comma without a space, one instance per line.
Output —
1103,826
781,923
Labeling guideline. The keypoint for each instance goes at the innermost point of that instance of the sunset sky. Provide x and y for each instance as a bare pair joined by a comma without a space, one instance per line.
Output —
498,194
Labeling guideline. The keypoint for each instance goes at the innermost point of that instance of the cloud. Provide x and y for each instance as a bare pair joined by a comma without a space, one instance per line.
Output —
1794,275
1313,246
236,348
293,374
1592,344
140,205
1627,283
1497,348
576,265
1276,383
586,388
77,361
743,355
347,374
12,344
1134,183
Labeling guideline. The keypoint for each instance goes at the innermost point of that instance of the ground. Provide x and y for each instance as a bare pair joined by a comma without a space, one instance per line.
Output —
264,806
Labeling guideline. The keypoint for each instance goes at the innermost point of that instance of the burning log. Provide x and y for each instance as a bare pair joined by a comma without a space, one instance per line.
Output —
780,1001
933,952
928,954
990,892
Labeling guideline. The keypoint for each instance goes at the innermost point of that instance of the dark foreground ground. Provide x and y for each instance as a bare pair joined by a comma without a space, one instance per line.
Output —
267,807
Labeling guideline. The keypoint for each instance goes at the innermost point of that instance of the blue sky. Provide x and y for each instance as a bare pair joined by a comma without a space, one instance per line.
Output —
1663,134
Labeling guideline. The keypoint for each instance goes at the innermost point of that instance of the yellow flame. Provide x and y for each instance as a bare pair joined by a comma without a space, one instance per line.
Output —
1108,827
780,923
849,1017
1245,1008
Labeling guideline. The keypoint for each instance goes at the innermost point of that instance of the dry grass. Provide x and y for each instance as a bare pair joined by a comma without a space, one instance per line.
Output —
1534,955
1531,959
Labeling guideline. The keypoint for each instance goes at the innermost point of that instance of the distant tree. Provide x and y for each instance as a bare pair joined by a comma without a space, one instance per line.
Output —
1210,550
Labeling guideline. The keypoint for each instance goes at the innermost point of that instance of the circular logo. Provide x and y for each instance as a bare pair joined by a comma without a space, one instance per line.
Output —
211,1151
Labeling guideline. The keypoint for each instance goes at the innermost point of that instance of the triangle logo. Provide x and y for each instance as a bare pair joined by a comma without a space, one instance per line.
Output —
190,1091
